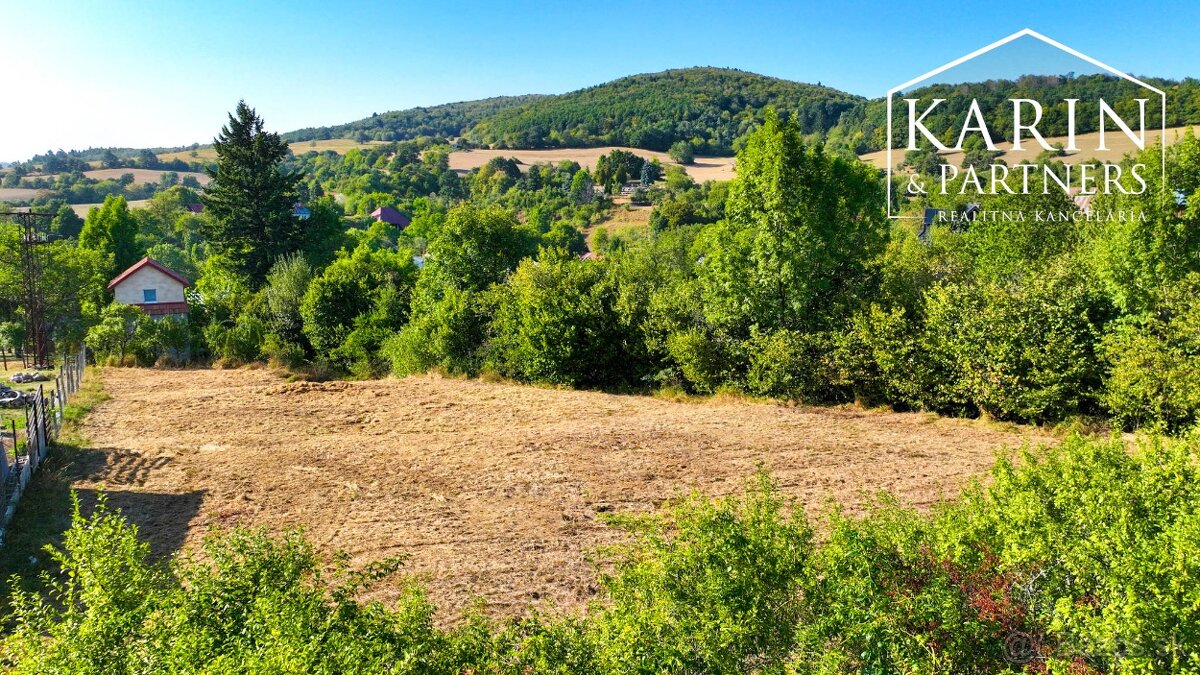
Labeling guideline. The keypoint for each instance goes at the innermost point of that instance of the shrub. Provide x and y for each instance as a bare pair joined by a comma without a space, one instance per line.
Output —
446,333
708,360
122,330
555,323
239,343
287,284
1025,352
705,587
1152,362
790,365
681,152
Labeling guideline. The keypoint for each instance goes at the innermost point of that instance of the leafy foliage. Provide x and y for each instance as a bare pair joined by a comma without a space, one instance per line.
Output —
707,108
447,121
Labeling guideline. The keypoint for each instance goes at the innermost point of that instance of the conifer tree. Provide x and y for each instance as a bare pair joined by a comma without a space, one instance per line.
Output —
250,198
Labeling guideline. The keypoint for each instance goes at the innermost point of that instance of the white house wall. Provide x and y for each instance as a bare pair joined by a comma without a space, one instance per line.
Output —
129,291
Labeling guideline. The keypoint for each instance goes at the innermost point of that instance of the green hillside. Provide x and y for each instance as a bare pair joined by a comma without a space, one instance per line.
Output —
709,107
448,120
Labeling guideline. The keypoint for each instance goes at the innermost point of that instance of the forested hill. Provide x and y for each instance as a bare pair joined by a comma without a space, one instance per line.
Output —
711,108
708,107
448,120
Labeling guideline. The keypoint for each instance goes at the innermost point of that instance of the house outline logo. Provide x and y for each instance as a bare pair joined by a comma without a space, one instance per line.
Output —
1025,32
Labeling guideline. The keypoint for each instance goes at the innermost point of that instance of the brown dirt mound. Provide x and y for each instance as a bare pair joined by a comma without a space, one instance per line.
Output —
494,489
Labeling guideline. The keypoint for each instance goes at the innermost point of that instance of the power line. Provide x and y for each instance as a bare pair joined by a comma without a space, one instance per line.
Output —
33,241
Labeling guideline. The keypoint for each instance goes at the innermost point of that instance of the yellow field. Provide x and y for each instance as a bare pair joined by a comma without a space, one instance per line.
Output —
338,145
704,169
81,210
202,155
17,194
143,175
1118,143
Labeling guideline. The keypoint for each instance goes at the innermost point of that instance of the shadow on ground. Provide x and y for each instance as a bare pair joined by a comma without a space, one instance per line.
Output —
46,507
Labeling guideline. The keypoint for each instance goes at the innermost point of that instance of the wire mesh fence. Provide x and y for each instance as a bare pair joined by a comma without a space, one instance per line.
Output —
23,453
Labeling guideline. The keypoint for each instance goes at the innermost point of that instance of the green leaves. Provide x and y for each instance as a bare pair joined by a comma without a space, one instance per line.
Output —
814,221
250,198
112,231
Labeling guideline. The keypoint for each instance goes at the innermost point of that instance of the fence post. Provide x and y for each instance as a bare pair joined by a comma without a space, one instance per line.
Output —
31,454
4,460
43,427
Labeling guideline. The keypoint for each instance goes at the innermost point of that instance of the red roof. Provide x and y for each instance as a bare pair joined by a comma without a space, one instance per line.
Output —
144,262
387,214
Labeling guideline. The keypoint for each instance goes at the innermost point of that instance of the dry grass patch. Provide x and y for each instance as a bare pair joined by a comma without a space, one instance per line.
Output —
493,488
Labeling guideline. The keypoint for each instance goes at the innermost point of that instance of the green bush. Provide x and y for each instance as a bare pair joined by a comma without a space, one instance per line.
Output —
239,343
708,586
708,360
555,323
1024,352
446,333
790,365
1152,362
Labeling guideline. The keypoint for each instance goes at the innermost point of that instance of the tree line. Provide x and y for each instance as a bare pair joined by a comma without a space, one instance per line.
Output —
790,283
787,282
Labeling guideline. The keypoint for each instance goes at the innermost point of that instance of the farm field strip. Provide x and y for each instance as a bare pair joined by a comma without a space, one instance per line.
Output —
704,168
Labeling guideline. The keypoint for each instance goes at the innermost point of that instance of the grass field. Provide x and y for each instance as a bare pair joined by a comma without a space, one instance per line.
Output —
17,194
495,490
623,218
338,145
144,175
81,210
705,168
1118,144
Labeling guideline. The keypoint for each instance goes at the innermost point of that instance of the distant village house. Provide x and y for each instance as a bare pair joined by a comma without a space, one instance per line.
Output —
386,214
157,289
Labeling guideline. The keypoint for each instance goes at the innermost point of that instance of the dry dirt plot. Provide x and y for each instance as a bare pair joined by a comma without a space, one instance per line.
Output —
494,489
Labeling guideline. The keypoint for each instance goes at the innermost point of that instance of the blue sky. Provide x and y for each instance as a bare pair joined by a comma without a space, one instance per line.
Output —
164,73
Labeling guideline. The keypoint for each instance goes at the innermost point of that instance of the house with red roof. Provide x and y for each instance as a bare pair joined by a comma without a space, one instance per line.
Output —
386,214
157,289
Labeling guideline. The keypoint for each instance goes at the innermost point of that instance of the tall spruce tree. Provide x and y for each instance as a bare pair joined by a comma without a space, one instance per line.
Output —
250,198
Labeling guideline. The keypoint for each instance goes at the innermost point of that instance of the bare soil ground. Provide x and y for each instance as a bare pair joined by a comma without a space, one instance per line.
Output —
704,168
494,489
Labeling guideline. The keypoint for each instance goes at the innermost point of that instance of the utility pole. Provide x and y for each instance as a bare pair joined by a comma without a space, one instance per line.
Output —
33,241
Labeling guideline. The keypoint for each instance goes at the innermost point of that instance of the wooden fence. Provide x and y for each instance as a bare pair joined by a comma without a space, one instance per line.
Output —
20,456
